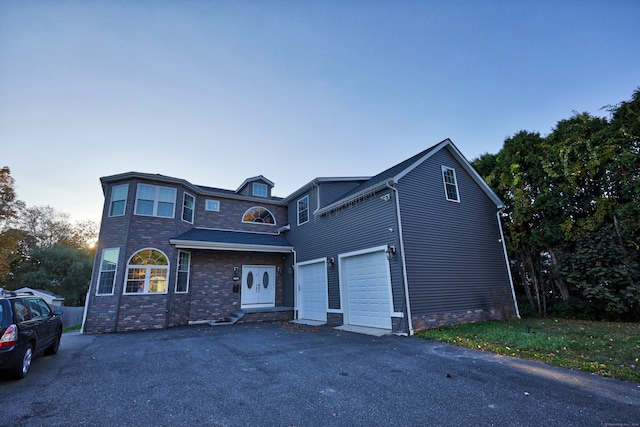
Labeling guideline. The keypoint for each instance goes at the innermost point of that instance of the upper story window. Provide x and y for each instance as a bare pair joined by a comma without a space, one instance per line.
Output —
259,189
303,210
212,205
154,200
450,184
108,267
147,273
259,214
188,205
118,200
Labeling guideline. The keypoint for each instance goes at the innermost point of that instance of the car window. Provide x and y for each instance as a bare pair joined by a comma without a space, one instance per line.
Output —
44,308
3,313
21,311
36,311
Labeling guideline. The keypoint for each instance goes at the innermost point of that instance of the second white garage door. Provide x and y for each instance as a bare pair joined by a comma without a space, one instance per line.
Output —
367,290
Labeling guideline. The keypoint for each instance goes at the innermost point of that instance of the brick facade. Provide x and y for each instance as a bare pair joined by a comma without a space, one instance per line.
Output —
211,295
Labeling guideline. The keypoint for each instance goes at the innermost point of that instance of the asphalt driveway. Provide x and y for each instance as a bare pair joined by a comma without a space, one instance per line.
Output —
288,375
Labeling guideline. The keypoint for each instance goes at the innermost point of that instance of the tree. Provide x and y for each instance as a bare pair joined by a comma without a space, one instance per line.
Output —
63,270
43,226
566,194
8,207
12,253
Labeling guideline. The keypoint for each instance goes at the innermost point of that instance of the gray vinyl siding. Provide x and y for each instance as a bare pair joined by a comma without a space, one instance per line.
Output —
358,226
454,256
332,191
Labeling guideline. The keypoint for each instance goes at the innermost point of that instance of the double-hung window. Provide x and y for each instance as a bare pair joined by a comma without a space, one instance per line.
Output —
450,184
303,210
107,276
118,200
188,204
153,200
182,281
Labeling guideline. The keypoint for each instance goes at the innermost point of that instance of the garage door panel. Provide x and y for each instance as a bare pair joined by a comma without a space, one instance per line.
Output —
312,281
367,290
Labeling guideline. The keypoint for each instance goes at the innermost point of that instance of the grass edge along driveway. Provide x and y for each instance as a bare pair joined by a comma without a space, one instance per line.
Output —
609,349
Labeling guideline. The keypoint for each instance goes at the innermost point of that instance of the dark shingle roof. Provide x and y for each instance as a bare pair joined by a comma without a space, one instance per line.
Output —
233,237
387,174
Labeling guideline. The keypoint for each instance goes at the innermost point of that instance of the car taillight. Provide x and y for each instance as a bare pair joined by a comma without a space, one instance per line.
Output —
10,337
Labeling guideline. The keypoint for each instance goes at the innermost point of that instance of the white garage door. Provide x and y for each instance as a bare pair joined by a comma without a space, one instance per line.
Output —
312,288
367,290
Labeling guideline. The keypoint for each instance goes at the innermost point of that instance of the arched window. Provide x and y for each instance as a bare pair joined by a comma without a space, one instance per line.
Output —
147,273
260,215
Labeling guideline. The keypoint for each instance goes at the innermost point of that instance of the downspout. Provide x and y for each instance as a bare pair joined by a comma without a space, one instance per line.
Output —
86,308
295,285
506,260
403,264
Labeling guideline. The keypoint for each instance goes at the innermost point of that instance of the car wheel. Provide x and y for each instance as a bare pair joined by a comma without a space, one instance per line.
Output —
53,348
23,368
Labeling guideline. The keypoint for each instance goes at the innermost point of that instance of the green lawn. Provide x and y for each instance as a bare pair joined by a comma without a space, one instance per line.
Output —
605,348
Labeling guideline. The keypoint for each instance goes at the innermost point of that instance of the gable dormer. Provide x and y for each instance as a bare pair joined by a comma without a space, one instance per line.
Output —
258,186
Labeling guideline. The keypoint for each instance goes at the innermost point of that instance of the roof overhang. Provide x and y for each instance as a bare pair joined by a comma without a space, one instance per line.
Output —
220,246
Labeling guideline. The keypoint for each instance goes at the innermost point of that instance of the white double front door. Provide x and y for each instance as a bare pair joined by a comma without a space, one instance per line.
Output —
258,286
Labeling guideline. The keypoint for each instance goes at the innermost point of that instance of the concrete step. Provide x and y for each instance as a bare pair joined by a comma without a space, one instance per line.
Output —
229,320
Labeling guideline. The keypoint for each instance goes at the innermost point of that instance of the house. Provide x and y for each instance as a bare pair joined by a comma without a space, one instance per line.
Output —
417,246
51,298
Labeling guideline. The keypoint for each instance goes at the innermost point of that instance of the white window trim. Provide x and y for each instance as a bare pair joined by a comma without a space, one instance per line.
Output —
298,210
444,183
113,285
147,276
193,208
206,205
124,210
259,193
156,201
178,273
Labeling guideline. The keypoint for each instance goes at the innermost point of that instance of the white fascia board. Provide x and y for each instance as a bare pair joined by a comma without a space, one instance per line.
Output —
217,246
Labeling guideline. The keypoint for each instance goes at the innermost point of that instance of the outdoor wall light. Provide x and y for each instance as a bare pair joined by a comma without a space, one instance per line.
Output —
331,261
390,252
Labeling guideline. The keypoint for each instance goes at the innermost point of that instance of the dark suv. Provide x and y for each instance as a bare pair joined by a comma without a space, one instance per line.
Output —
27,327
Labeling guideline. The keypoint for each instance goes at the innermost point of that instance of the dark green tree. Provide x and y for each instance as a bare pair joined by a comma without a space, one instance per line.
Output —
63,270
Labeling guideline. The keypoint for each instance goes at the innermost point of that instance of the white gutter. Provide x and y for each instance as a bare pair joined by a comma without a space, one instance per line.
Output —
506,260
190,244
403,263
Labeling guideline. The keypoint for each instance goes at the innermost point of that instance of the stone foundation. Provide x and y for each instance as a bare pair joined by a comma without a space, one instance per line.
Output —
432,321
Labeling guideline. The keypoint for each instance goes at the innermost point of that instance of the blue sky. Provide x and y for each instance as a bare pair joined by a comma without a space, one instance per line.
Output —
218,91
